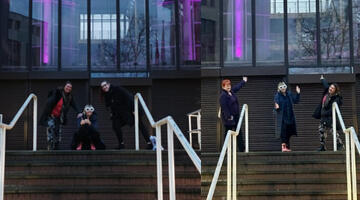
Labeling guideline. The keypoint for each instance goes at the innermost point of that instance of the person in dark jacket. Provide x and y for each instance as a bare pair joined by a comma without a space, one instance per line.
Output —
121,104
54,114
285,116
230,110
323,112
87,137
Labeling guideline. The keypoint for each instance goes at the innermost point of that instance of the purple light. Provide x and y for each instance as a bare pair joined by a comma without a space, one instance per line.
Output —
46,32
188,31
239,28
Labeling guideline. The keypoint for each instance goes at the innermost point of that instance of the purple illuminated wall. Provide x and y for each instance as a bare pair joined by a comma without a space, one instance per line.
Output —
46,31
239,28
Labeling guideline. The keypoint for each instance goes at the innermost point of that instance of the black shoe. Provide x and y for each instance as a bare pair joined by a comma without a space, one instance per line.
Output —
149,146
340,147
321,148
121,146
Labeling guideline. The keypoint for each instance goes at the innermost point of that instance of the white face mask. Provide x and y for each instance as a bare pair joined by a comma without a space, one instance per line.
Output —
282,86
89,108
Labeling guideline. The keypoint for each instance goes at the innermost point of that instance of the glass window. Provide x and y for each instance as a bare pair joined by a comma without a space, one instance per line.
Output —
237,31
356,29
45,35
190,25
132,35
17,53
162,33
334,33
269,32
103,35
74,35
302,32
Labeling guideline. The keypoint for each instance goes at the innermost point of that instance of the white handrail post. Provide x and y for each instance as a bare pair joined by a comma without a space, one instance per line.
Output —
246,129
190,128
353,165
234,155
198,119
136,110
171,162
334,125
2,158
159,163
228,191
35,124
348,173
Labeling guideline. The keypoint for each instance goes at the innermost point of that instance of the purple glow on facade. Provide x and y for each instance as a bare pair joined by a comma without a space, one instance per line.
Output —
46,32
239,28
188,31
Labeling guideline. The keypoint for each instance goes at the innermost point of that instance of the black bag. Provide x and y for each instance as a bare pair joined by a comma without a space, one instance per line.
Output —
317,112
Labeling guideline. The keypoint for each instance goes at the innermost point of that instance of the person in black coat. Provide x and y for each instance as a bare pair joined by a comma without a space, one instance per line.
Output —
323,112
285,116
87,137
121,104
230,110
55,111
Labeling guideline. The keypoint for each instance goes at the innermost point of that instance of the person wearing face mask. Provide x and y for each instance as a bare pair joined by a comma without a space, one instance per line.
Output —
230,110
54,114
323,112
87,137
285,116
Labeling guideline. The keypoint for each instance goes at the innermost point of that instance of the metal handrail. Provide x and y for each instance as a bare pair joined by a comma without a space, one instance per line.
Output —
4,127
172,127
351,140
196,114
231,157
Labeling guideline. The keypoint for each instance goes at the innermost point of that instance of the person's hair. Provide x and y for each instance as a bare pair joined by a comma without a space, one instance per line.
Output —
68,82
337,88
225,82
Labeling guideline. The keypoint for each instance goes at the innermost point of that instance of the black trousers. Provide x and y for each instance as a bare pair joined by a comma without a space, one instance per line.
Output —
287,130
87,135
117,125
240,141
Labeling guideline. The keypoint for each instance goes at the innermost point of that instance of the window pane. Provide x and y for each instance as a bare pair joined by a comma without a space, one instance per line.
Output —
132,35
17,53
356,29
74,35
103,45
190,25
45,34
334,33
269,32
162,33
302,32
237,31
210,51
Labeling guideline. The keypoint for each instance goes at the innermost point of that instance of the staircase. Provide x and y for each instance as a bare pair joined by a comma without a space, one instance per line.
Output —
94,175
277,176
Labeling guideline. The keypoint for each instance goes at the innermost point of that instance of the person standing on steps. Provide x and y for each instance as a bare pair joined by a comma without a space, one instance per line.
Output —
121,103
285,116
54,114
230,110
323,112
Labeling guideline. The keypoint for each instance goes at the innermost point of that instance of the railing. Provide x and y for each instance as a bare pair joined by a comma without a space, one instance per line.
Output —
171,128
196,114
231,157
4,127
351,140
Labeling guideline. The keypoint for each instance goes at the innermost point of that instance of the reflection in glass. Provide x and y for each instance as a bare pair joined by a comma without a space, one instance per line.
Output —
103,34
162,33
16,52
132,34
237,31
269,31
45,34
302,32
334,33
190,25
209,33
356,29
74,34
